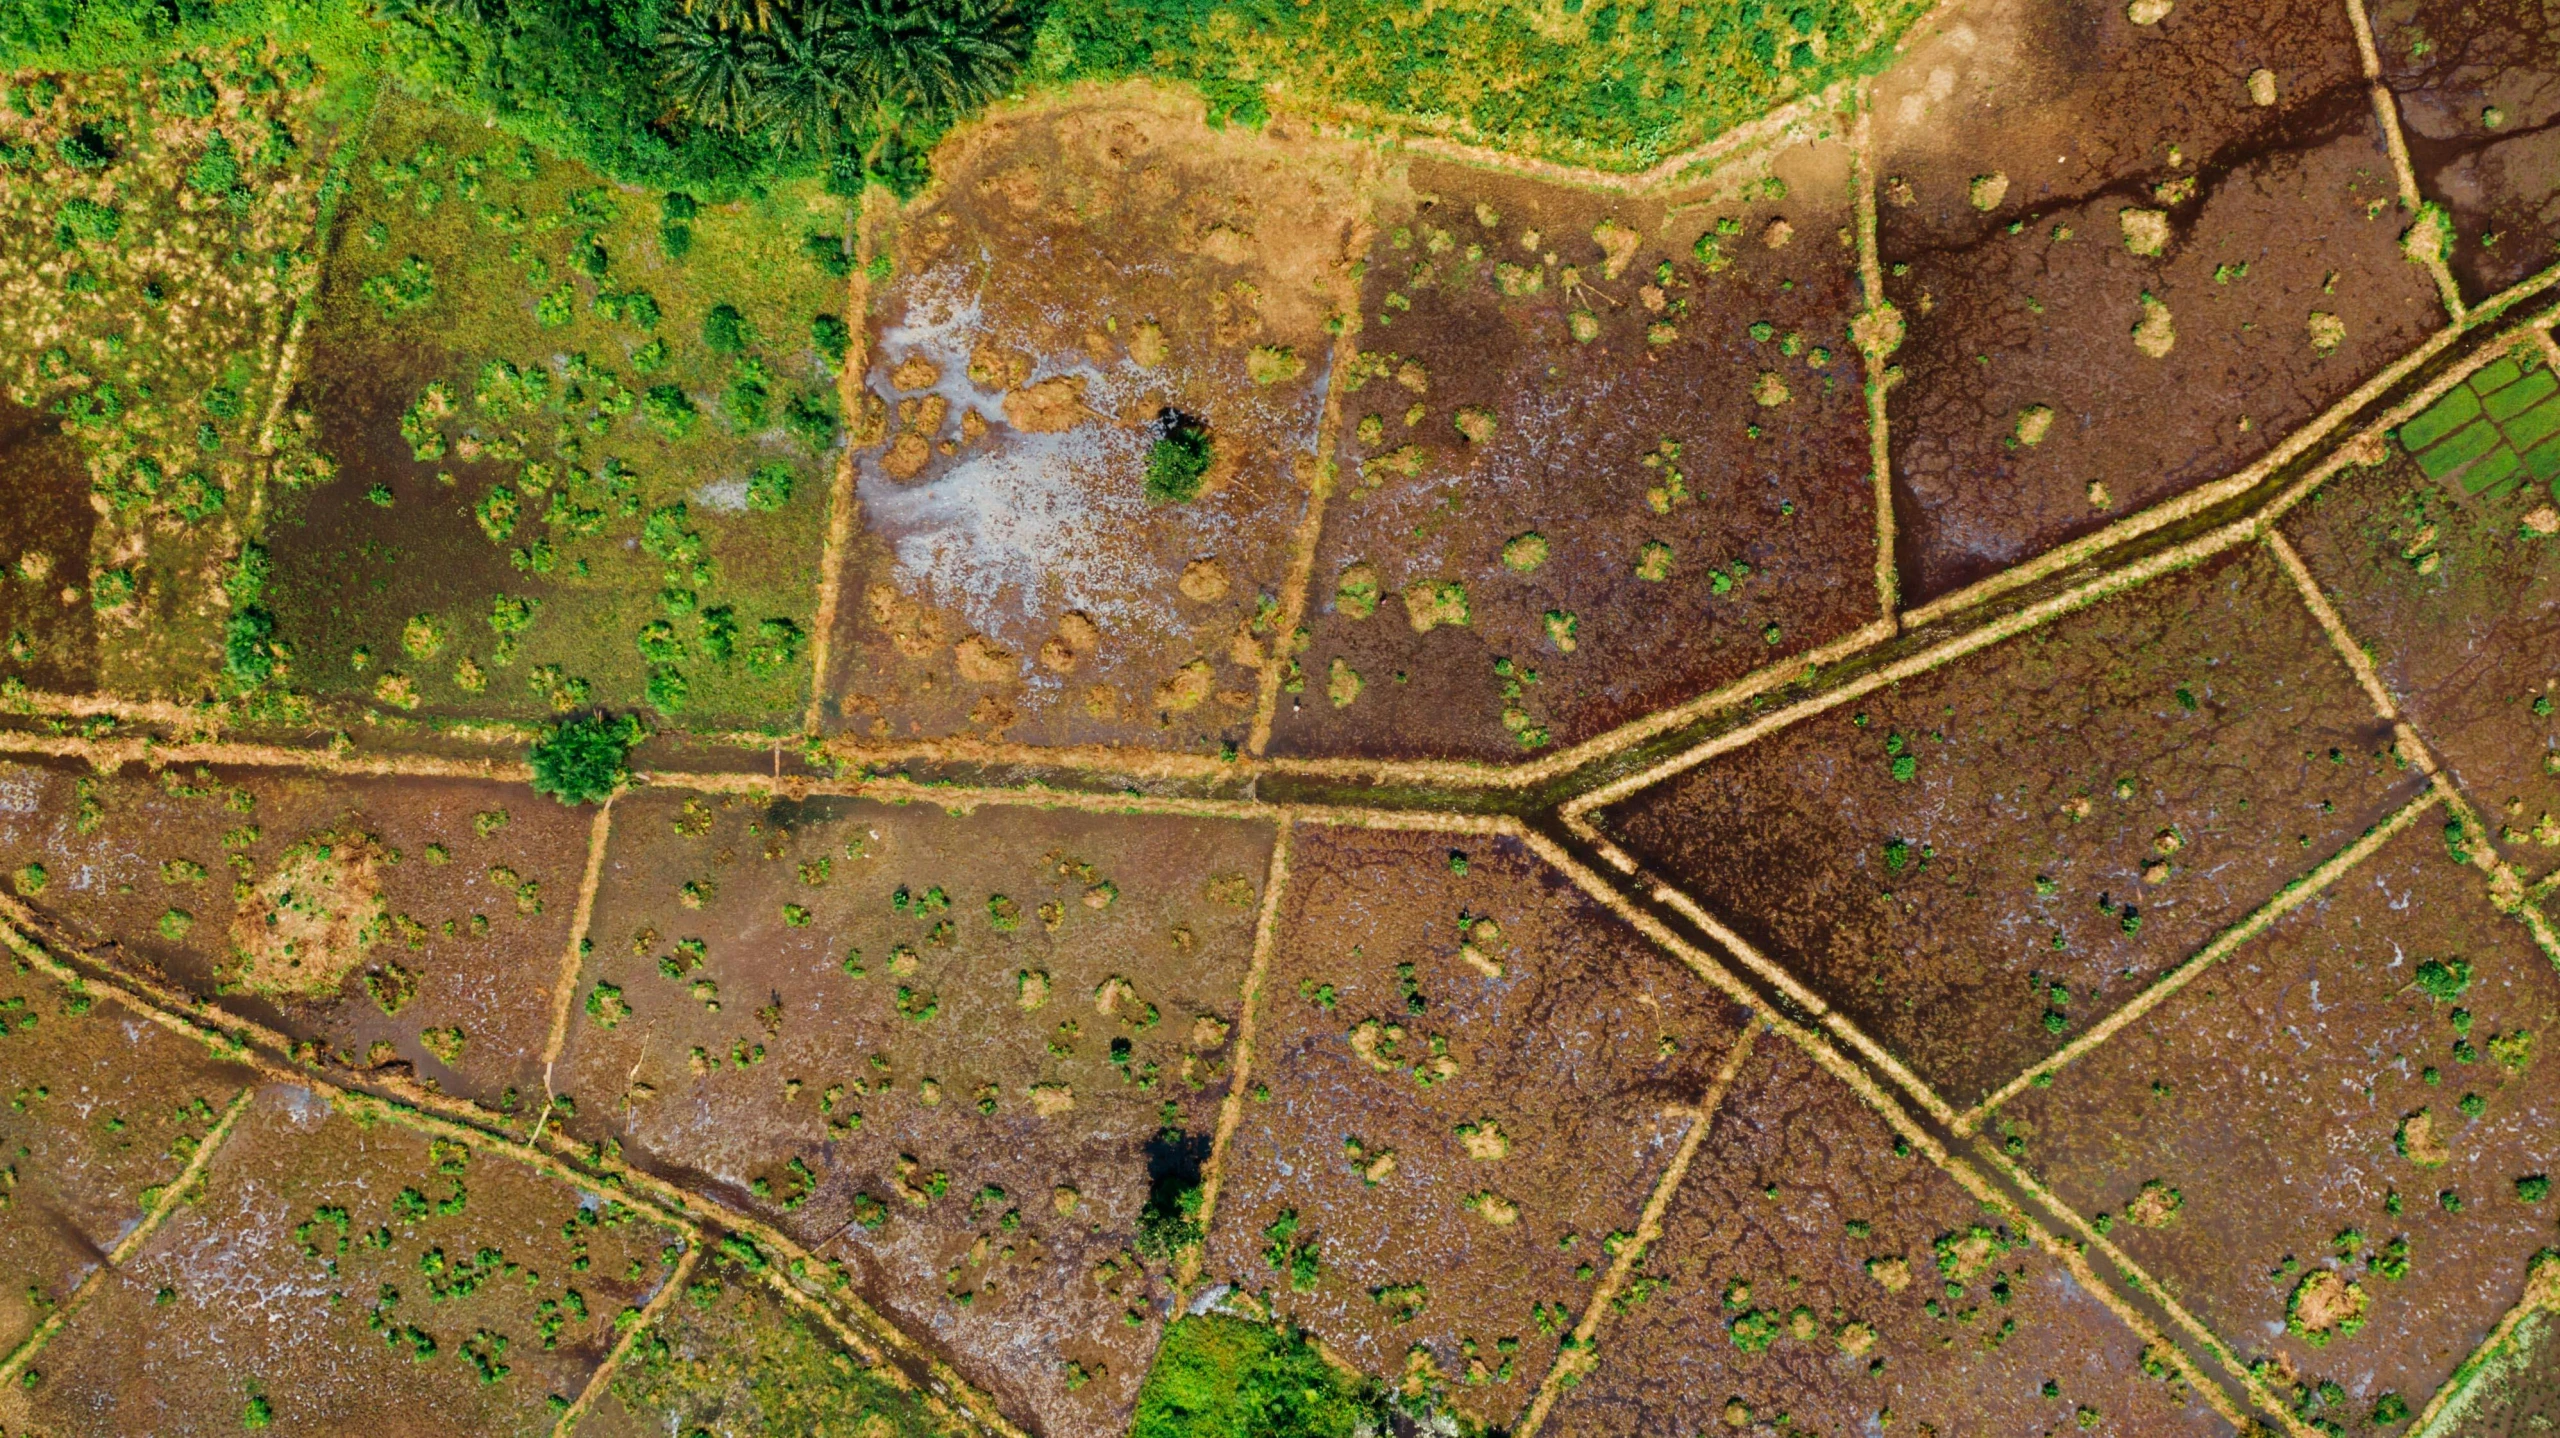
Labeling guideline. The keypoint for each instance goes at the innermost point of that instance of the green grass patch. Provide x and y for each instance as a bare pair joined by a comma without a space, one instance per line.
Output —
2465,446
1220,1377
2446,415
1613,86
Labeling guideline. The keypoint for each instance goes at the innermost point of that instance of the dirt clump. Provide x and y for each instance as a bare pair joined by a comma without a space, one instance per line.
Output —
307,926
1076,640
983,661
1049,407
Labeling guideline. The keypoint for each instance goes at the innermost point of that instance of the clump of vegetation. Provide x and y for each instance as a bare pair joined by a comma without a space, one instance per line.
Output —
582,760
1179,459
1221,1377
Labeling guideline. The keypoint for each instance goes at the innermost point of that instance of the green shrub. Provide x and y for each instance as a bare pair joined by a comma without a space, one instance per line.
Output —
85,149
669,410
828,253
811,419
830,336
82,221
1179,459
769,488
582,760
725,331
217,171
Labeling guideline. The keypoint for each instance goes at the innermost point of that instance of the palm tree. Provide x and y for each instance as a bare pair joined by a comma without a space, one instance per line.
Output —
941,58
808,82
713,67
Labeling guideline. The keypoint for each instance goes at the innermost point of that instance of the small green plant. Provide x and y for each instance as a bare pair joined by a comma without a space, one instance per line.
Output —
725,331
582,760
1179,459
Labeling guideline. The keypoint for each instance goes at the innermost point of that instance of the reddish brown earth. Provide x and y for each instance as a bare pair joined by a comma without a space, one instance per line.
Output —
2272,214
1078,274
235,1299
103,1107
1649,431
408,994
1794,1216
1580,1056
2450,66
979,1091
2071,829
2275,1095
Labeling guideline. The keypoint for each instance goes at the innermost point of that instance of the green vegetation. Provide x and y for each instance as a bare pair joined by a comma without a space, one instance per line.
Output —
1613,86
733,1356
582,760
1220,1377
1180,458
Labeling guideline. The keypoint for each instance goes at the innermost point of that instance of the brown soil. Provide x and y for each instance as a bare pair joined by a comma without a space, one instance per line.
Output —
1457,1147
2271,1093
466,1007
2071,829
102,1108
237,1297
2466,647
2225,360
942,1065
1081,268
44,550
2475,87
1507,392
1795,1207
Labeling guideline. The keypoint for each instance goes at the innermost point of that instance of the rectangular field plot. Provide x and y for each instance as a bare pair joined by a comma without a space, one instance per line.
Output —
1469,1079
2334,1145
960,1054
337,1277
378,922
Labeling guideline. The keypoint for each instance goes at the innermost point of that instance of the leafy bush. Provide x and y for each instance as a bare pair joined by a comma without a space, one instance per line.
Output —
828,253
769,488
726,332
831,337
1179,459
217,171
582,760
86,222
811,419
85,149
669,410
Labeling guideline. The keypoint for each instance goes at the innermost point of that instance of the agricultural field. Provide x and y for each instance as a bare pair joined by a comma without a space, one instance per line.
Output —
1471,1081
2118,290
1591,458
976,1060
1980,865
400,926
2393,1198
157,230
1222,719
2472,82
580,440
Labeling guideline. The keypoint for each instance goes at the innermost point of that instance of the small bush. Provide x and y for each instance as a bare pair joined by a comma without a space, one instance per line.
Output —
669,410
582,760
86,222
830,336
725,331
811,419
828,253
1179,459
769,488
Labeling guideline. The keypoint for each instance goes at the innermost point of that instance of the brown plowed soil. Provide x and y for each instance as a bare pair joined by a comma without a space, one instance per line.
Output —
1812,1278
1667,485
1456,1148
981,1037
102,1107
44,551
2479,89
2470,647
2086,806
2286,1096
